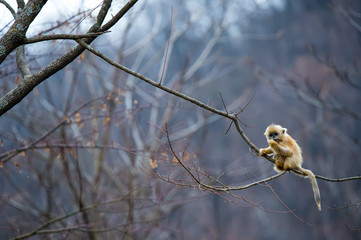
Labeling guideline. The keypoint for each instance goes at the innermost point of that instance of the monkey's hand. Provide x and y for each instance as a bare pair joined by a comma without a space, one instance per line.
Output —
265,151
262,152
273,144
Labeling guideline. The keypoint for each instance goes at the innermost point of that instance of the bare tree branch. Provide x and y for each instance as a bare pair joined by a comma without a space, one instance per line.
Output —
21,62
20,51
16,34
29,83
61,37
7,5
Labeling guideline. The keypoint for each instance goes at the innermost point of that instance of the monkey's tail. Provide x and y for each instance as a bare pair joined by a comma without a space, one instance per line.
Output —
316,190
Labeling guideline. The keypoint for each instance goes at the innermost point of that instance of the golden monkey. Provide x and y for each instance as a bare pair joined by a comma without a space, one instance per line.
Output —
287,155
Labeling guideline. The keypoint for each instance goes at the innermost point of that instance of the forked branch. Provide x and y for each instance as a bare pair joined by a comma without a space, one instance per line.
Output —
220,187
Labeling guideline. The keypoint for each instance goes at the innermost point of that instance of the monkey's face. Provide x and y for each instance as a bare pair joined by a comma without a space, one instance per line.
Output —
273,136
275,132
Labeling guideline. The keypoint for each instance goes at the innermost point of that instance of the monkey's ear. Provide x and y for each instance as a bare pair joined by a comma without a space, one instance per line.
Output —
284,130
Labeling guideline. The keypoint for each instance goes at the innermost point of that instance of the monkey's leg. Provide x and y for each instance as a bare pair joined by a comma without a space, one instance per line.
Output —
284,151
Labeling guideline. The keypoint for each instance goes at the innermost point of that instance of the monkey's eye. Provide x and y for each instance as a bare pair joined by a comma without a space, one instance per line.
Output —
273,134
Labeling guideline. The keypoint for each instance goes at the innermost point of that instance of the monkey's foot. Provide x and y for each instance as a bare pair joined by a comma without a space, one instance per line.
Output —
279,166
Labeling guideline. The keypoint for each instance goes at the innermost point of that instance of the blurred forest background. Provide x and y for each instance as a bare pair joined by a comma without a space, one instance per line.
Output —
85,154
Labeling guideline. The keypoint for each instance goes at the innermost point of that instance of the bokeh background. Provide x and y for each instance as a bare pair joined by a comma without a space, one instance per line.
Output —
90,141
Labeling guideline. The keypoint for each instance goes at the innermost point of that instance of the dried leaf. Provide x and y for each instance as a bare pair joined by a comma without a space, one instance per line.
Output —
77,117
103,106
106,120
67,120
118,100
121,92
81,57
18,166
165,155
153,163
17,80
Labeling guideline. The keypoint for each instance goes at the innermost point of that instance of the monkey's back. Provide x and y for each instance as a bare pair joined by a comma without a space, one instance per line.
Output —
296,159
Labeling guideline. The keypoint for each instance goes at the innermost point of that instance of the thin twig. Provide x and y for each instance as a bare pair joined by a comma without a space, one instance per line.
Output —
180,161
223,187
250,100
229,128
224,105
65,216
291,211
8,6
166,51
61,37
10,154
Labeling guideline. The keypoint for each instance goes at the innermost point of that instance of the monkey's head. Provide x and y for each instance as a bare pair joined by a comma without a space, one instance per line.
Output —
275,132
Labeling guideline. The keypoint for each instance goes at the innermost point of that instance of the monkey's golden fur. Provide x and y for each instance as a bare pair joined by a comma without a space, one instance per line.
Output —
287,155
